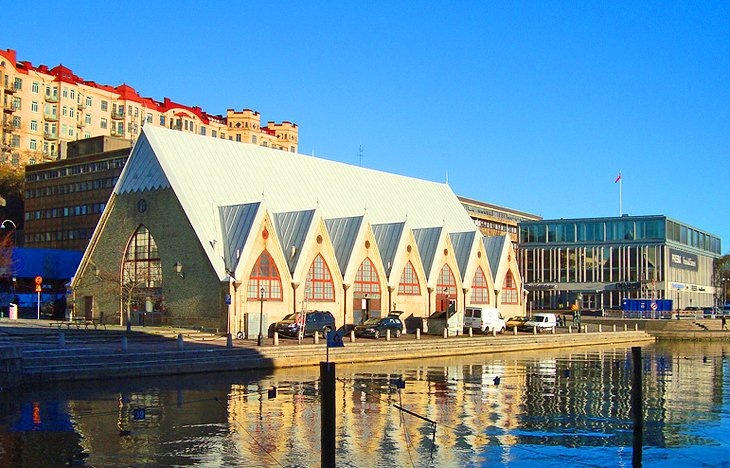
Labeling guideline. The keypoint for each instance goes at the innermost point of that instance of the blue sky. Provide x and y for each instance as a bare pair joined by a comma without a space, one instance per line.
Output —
531,105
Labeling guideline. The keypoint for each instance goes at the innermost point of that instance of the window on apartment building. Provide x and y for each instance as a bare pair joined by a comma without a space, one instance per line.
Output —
87,135
34,106
104,105
16,103
72,112
34,125
18,84
33,145
265,143
214,133
149,118
103,123
88,118
15,159
70,131
89,101
162,120
63,129
64,111
15,141
16,121
136,112
293,149
253,139
238,137
72,94
65,92
202,130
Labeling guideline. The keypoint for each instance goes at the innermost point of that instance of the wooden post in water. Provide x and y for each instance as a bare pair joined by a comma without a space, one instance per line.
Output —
328,420
637,406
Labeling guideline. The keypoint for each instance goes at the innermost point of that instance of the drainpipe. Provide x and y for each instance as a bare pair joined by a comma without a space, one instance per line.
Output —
390,299
294,286
345,287
430,290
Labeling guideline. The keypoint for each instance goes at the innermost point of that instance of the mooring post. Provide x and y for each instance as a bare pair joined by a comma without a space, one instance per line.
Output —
515,329
637,406
471,333
387,334
180,345
636,327
600,328
446,332
316,337
418,333
570,329
352,336
328,420
614,327
276,338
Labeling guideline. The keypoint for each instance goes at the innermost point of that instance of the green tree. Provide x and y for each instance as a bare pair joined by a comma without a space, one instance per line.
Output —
722,278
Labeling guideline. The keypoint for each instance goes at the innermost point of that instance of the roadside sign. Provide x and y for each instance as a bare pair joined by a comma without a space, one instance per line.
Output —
38,280
654,306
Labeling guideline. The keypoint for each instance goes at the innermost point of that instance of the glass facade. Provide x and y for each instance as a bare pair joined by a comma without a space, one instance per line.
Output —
603,261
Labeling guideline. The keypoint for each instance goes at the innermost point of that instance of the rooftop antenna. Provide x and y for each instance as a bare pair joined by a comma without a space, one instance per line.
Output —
359,153
447,177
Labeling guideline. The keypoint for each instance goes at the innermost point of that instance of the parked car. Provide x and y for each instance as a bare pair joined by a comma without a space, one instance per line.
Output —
541,322
320,321
485,320
515,322
376,327
345,329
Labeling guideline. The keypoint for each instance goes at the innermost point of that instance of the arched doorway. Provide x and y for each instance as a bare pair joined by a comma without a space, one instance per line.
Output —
141,281
366,292
446,293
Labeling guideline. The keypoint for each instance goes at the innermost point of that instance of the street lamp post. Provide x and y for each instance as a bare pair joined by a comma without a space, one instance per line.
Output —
261,318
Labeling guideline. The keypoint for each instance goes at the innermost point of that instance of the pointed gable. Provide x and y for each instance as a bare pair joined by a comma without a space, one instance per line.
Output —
462,243
292,228
387,238
343,233
236,223
494,245
143,170
427,240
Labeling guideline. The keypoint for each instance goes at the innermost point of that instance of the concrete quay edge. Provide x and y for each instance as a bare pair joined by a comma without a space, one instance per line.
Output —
121,365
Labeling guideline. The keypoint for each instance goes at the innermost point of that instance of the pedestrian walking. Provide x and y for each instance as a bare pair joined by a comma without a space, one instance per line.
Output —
724,322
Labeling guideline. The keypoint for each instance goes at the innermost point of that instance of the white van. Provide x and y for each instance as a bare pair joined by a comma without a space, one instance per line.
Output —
542,322
483,319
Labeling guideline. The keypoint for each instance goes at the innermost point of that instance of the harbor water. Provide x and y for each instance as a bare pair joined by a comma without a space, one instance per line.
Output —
567,407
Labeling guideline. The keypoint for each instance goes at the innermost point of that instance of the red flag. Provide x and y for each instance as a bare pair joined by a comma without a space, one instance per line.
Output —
617,178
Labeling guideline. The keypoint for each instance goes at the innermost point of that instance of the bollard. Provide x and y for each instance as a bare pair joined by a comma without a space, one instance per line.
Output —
614,327
515,329
471,333
352,336
276,338
316,337
494,331
570,329
585,328
446,332
387,334
552,330
534,330
179,342
229,341
626,327
600,328
61,340
636,327
125,344
418,333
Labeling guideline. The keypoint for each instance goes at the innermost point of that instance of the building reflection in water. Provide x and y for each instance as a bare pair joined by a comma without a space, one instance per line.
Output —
487,409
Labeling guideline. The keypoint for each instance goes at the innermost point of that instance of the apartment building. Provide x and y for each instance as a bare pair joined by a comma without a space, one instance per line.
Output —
45,108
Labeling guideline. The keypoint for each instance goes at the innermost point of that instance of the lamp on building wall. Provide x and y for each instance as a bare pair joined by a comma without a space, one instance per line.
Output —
261,318
178,269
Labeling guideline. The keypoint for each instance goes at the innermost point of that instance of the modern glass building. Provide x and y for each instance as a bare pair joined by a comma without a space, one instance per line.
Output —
600,261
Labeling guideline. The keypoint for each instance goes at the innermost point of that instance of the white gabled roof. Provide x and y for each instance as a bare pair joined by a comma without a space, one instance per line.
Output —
207,173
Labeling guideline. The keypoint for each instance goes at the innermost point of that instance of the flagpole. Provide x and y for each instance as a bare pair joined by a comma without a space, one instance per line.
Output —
620,196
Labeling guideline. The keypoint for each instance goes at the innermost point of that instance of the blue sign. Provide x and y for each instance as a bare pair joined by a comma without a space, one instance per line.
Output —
228,299
138,413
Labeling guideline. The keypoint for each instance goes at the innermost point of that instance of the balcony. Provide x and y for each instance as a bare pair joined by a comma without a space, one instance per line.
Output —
118,114
50,116
8,126
10,88
9,107
81,123
81,103
50,135
52,99
117,133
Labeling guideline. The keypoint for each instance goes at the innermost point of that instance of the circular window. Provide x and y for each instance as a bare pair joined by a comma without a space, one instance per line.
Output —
265,234
479,255
408,249
367,244
319,239
142,205
446,252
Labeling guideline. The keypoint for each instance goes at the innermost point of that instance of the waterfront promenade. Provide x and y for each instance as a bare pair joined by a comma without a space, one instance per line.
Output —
38,352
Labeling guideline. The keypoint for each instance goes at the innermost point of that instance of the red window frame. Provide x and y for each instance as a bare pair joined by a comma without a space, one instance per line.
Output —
509,291
409,284
319,285
367,280
480,288
265,274
446,281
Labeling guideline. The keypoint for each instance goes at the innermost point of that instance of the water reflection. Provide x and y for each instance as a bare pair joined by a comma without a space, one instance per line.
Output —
552,408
